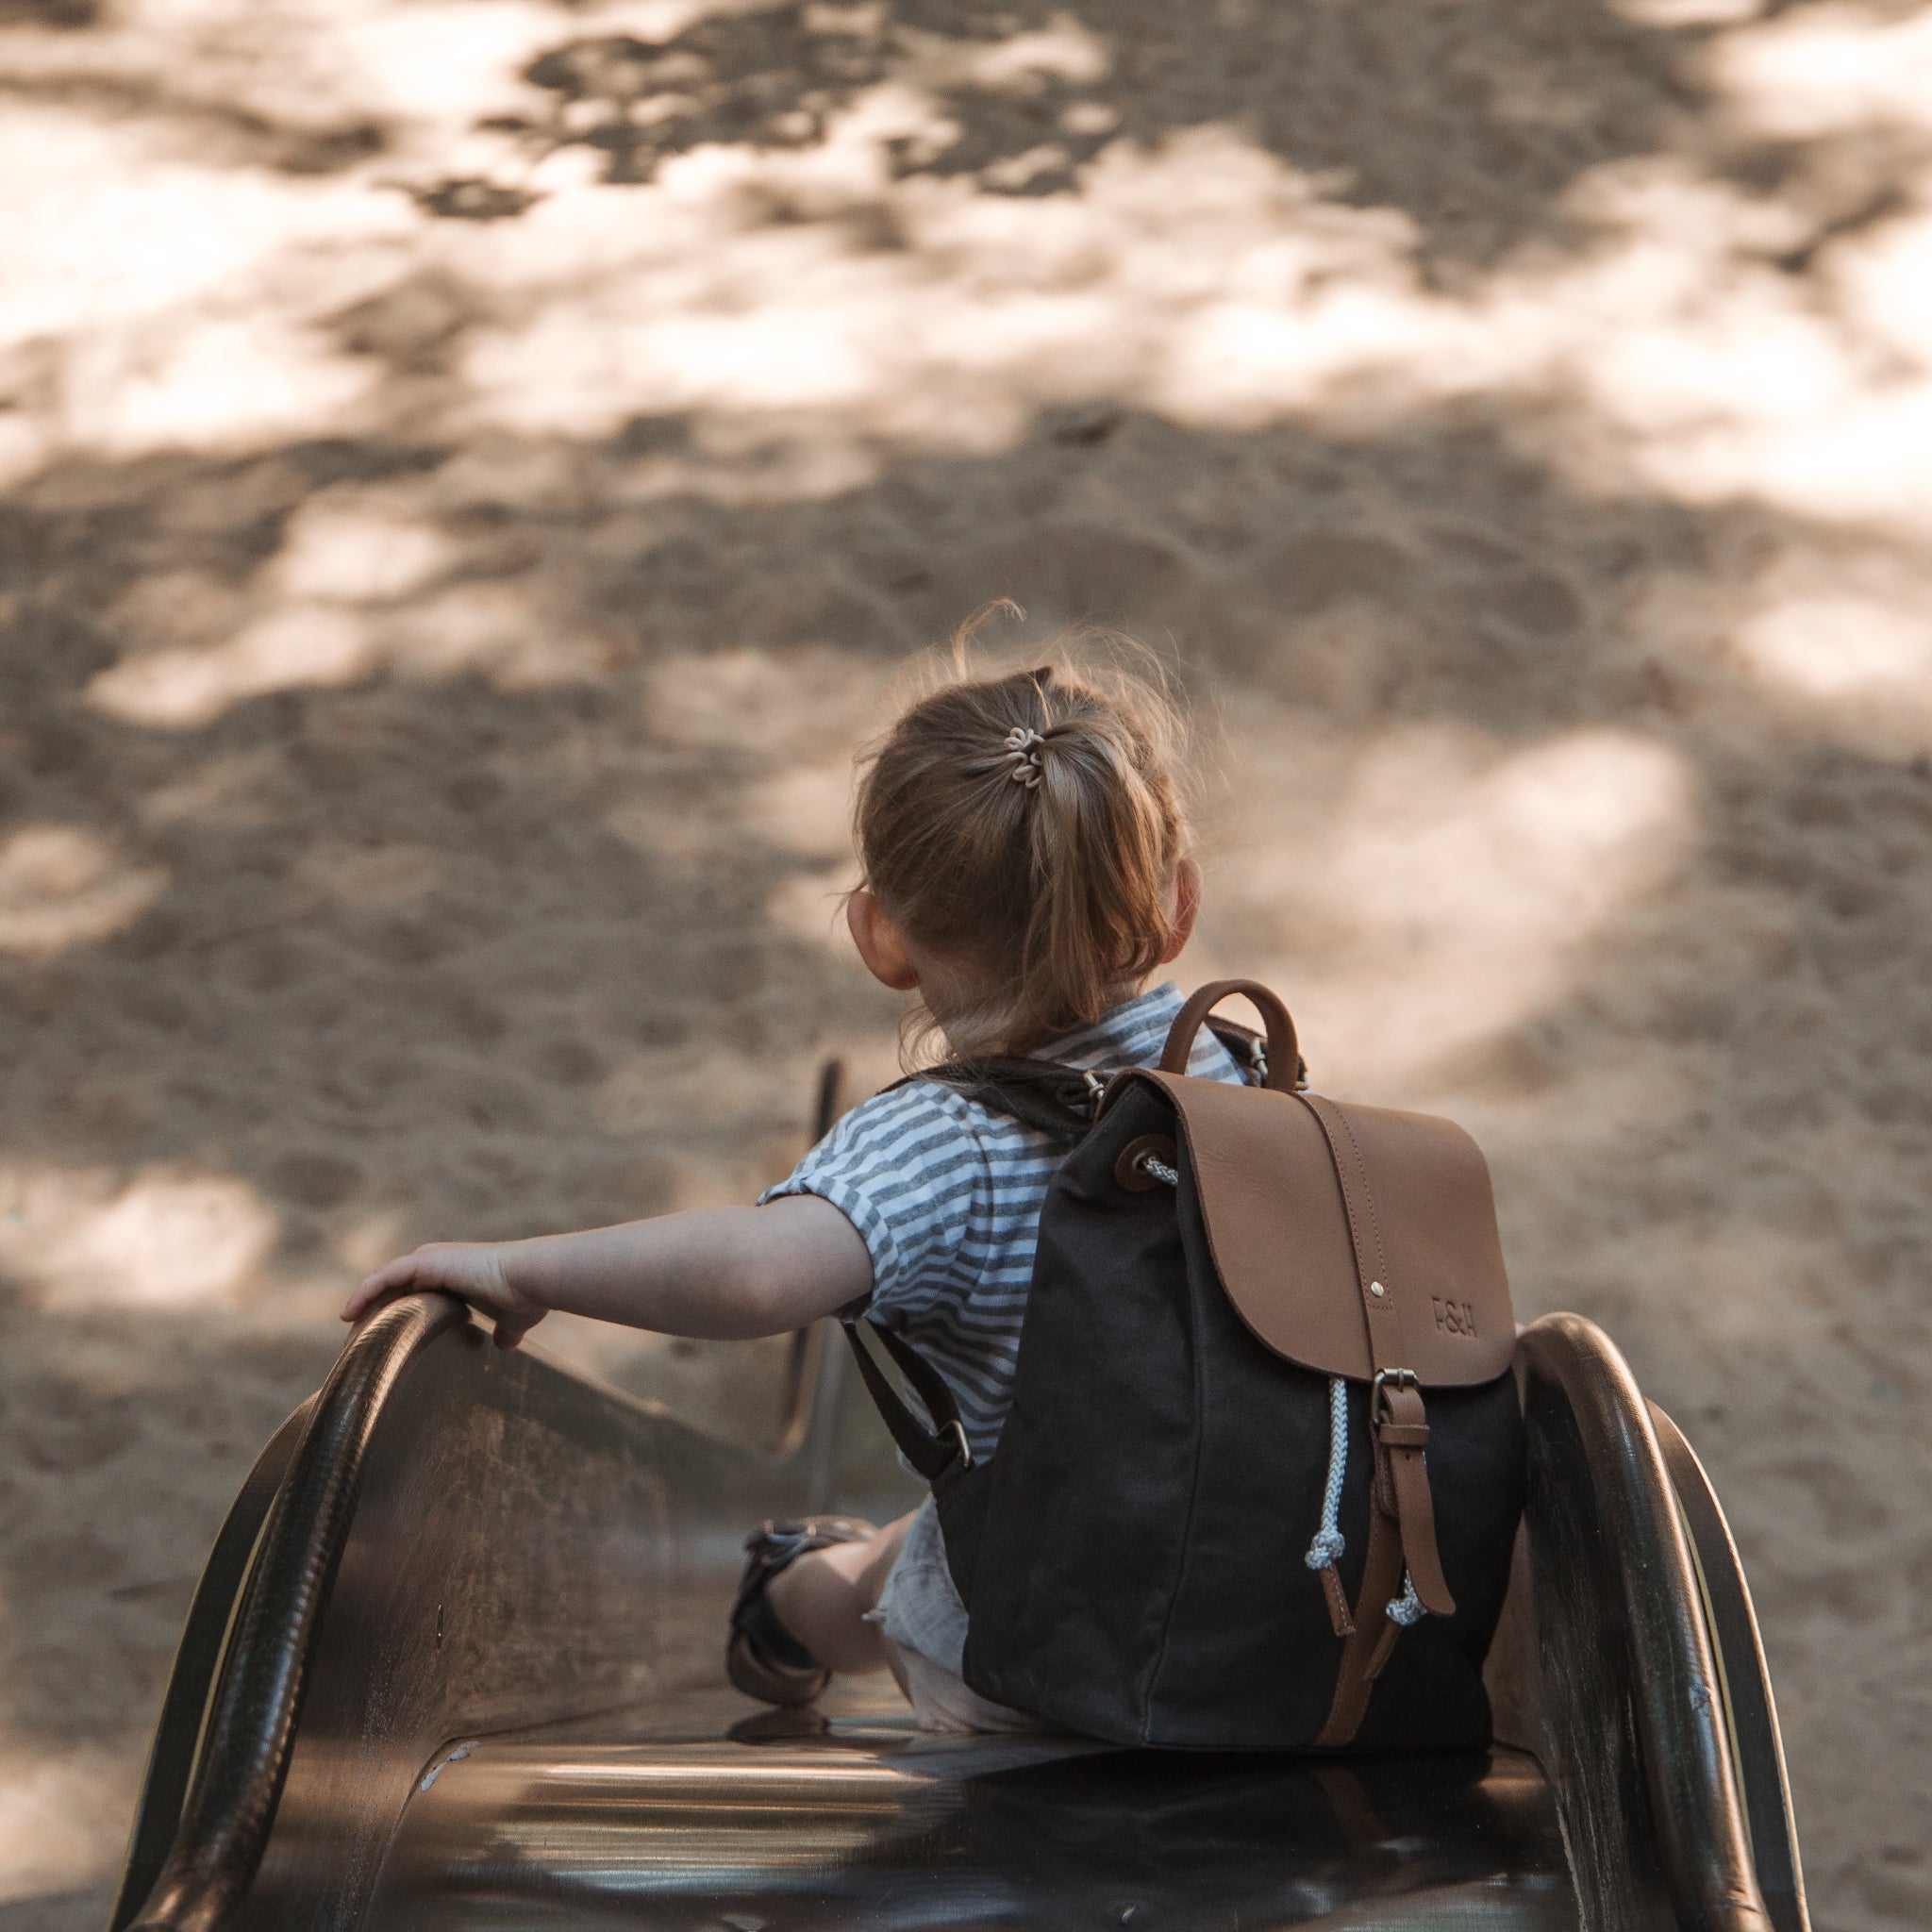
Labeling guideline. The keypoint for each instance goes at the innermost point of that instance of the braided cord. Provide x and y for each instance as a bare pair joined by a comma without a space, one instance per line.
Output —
1325,1551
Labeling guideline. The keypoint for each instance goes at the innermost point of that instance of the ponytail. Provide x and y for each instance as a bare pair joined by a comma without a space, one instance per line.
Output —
1025,831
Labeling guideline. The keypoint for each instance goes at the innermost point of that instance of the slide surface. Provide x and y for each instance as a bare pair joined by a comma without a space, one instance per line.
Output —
855,1819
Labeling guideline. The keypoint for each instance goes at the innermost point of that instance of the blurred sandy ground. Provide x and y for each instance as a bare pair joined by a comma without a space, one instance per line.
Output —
470,470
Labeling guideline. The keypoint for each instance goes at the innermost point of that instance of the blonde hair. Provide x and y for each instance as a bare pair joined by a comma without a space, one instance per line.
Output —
1035,871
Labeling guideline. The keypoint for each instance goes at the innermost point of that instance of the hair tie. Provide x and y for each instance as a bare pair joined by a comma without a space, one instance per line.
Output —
1022,755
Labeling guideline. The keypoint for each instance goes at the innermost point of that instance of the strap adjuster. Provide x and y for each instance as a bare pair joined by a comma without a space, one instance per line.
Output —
1401,1378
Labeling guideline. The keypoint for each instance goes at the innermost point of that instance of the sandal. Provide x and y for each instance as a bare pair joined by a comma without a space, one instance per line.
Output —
762,1657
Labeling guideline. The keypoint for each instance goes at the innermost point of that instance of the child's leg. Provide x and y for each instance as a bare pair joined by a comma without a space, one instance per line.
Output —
822,1598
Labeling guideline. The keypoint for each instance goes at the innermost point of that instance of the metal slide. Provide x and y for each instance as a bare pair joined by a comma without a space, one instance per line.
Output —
455,1662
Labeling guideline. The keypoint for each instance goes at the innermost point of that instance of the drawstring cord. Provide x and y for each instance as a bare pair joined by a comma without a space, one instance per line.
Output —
1325,1552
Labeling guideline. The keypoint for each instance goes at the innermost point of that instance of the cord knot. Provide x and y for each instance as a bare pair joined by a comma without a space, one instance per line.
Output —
1325,1551
1407,1608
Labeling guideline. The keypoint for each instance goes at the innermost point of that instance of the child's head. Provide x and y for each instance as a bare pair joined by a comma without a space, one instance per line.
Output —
1024,852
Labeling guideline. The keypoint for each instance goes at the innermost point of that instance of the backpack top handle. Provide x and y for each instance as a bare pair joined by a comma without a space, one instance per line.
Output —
1284,1057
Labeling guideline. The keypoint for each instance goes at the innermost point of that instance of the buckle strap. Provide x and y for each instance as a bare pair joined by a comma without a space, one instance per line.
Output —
1378,1291
1399,1427
1401,1432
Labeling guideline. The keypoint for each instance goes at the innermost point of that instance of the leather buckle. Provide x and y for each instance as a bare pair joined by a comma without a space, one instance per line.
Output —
1401,1378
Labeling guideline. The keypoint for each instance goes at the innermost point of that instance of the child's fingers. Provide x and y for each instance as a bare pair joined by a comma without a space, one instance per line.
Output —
510,1333
389,1281
447,1265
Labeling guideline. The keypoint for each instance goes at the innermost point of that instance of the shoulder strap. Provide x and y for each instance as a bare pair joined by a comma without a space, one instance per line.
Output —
1047,1095
937,1453
1061,1100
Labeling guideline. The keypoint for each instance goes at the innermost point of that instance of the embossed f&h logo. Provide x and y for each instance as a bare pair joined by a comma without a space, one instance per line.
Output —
1458,1317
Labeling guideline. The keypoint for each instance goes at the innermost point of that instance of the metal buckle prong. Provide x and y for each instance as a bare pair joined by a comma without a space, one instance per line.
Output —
1403,1378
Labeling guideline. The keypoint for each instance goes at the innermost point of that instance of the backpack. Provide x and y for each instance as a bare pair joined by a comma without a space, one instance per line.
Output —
1259,1484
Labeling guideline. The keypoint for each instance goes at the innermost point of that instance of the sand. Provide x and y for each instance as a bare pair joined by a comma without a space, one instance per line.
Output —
470,476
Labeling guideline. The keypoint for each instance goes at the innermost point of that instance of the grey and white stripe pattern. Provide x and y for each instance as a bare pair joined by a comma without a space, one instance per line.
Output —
946,1196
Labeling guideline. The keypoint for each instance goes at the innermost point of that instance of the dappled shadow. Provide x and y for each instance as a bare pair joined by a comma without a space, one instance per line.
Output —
429,820
213,129
515,928
68,15
1504,106
1478,122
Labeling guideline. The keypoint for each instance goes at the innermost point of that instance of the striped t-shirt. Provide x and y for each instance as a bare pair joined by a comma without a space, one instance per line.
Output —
946,1195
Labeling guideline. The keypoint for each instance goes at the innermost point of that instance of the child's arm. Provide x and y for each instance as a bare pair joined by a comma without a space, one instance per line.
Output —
711,1271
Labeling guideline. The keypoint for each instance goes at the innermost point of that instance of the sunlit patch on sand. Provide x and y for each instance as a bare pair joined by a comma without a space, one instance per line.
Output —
1207,278
89,1239
339,553
147,289
807,809
1838,647
1827,407
809,907
102,232
24,446
372,1239
1819,69
748,701
1690,12
62,1816
344,548
489,630
210,382
181,689
61,886
1444,895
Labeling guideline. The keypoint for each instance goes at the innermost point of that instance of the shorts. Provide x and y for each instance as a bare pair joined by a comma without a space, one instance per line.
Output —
944,1702
924,1624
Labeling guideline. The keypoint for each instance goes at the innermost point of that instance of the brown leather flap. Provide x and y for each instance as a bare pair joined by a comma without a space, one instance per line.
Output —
1278,1228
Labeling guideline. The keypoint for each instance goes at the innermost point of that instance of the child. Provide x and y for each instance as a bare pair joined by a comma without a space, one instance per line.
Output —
1025,871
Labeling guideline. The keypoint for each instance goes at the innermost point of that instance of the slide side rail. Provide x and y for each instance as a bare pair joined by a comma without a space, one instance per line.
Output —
1648,1703
449,1540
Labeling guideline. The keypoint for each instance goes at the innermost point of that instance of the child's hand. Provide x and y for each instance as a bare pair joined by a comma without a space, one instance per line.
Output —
472,1270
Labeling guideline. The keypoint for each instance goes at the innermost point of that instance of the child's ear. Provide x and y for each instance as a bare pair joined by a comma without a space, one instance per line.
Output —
878,943
1186,908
